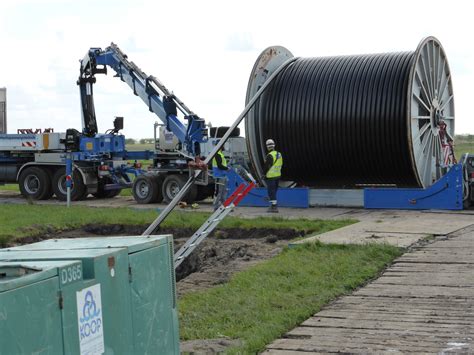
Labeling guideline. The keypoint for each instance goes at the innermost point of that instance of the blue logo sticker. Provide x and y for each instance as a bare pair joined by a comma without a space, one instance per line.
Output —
90,310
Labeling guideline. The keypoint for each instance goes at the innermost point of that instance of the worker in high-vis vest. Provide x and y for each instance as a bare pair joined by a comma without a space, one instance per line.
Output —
219,171
272,167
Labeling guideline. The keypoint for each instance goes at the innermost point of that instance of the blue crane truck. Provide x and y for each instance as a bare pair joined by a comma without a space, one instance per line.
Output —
185,137
35,159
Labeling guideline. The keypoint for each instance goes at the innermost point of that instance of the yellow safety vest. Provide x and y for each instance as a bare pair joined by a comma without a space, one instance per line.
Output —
275,170
224,161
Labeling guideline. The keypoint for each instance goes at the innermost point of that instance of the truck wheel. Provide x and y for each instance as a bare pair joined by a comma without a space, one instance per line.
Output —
146,189
466,204
35,183
173,184
78,190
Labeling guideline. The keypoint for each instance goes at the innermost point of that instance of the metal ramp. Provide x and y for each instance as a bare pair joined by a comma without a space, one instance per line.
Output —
212,222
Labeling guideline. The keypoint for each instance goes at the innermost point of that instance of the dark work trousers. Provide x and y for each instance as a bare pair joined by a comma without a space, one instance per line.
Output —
272,186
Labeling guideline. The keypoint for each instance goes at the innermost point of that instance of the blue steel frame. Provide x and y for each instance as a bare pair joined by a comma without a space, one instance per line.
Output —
444,194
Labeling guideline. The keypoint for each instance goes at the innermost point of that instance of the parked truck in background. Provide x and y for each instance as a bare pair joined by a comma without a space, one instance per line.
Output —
170,171
36,158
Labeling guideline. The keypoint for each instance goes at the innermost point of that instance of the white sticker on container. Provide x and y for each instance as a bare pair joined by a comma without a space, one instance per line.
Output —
89,318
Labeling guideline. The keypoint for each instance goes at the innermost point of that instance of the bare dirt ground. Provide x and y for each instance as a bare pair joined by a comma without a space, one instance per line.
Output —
224,253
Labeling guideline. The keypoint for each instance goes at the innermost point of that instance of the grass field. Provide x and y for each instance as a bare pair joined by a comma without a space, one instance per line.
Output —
18,221
135,147
261,304
461,148
9,187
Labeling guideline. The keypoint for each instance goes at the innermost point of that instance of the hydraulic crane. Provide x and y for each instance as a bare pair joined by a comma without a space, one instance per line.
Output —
153,93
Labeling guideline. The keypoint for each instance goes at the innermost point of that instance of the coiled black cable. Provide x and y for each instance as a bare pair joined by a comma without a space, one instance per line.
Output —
340,121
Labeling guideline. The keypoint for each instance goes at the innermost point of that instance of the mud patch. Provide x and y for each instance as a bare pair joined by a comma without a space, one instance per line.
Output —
207,346
217,258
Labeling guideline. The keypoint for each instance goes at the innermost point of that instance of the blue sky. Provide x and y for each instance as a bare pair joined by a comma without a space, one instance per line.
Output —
203,50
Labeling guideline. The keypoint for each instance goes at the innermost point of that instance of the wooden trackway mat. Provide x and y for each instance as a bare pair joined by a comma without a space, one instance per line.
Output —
423,303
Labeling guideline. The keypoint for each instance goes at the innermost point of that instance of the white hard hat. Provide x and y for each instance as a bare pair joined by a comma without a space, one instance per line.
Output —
270,143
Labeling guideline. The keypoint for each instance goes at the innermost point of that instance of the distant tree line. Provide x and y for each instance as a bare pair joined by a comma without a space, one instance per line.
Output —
467,138
130,141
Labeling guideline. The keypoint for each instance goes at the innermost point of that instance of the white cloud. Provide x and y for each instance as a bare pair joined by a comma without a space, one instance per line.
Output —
203,50
240,41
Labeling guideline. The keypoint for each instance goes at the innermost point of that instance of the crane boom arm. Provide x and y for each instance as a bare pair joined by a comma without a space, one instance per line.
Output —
153,93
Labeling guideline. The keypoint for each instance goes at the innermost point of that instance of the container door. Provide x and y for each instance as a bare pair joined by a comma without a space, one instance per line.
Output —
30,318
155,325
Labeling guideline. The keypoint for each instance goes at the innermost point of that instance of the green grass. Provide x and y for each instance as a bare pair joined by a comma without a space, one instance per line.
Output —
10,187
464,147
126,192
261,304
135,147
463,144
41,218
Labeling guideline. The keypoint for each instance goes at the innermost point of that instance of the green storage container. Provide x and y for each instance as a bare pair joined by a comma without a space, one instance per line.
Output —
150,285
38,307
109,267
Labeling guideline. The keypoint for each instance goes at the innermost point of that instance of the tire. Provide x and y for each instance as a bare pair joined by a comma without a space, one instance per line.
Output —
173,184
35,183
78,190
146,189
221,131
466,204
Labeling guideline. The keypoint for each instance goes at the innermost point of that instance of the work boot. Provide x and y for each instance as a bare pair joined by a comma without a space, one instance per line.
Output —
272,209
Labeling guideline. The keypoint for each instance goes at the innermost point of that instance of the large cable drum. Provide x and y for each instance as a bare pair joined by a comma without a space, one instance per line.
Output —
349,121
